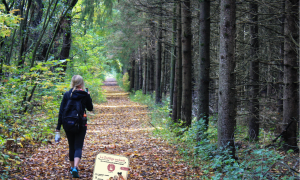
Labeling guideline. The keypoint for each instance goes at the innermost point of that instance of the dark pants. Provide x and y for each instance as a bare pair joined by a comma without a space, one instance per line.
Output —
76,143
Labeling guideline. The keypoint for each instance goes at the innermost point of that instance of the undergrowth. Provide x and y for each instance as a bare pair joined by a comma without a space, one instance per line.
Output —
29,105
255,160
123,81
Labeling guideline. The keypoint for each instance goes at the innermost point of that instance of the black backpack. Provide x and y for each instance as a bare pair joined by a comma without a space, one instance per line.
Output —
73,115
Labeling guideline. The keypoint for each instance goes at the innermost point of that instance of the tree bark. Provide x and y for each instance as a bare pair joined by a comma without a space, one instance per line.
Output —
227,92
163,71
152,59
179,63
132,72
254,74
290,93
148,67
204,61
136,73
158,59
67,24
65,50
140,69
281,74
186,112
145,70
173,57
23,34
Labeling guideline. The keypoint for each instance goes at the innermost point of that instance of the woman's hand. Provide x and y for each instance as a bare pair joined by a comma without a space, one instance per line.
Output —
56,130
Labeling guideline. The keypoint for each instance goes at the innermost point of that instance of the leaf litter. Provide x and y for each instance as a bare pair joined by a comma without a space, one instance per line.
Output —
118,126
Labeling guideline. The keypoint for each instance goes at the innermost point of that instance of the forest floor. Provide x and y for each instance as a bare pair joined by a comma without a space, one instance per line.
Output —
118,126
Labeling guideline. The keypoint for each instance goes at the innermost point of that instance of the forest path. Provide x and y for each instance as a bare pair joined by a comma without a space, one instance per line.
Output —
118,126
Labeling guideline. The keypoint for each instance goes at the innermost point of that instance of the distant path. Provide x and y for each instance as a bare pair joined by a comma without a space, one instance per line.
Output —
110,82
118,126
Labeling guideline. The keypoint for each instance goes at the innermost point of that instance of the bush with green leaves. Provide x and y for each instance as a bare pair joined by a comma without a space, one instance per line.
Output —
29,106
123,81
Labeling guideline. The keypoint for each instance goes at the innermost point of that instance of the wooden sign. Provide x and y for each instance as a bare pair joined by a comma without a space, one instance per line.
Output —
111,167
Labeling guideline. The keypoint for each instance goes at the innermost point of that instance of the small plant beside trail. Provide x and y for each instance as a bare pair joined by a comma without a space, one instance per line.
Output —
123,81
255,159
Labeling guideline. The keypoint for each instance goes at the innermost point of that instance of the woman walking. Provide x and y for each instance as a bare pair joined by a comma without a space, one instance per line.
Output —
75,139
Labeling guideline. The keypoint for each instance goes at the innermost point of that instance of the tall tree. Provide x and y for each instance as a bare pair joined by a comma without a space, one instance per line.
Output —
254,73
145,79
280,74
152,58
136,72
290,93
173,52
141,62
132,72
176,112
204,61
227,92
186,113
158,59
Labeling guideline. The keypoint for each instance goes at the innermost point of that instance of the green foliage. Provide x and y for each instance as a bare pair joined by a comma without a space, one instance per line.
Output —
8,21
89,62
28,108
123,81
92,80
145,99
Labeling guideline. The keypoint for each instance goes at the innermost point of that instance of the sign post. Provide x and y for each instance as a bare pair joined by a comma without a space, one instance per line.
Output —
111,167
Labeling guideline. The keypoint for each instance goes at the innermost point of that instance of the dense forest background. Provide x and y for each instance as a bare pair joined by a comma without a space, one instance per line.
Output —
225,73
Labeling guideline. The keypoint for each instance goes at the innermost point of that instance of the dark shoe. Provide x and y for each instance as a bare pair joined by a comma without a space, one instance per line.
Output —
75,173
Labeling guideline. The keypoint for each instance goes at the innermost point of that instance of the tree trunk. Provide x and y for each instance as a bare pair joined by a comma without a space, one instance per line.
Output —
227,91
145,70
179,63
11,48
290,93
65,50
140,69
158,59
163,62
136,73
67,24
204,61
254,74
23,34
45,25
149,67
280,74
173,52
166,78
152,59
186,112
174,108
132,72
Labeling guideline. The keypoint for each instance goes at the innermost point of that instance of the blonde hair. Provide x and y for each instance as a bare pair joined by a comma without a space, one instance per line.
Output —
76,81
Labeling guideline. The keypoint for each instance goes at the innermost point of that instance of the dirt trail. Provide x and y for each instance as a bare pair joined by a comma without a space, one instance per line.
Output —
118,126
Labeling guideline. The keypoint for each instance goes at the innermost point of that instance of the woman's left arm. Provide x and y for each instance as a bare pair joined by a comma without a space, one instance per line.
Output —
89,103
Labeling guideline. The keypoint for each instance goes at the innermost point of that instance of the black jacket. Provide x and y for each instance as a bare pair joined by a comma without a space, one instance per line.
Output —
77,94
